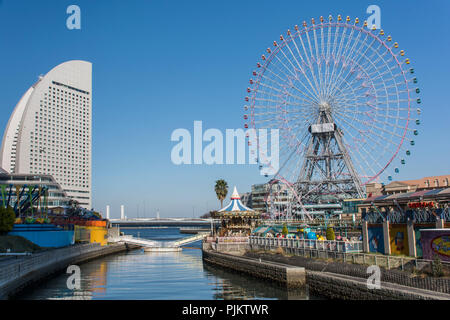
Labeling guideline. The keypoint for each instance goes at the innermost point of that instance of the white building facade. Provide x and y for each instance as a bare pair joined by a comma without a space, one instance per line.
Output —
50,130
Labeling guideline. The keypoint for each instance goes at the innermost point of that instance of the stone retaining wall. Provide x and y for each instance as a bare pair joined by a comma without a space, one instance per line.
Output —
320,283
356,270
335,287
288,276
17,275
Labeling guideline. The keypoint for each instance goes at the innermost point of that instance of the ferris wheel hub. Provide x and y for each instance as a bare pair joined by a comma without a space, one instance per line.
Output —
324,107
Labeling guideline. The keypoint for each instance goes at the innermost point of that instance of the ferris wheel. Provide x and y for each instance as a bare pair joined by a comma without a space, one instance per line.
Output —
345,101
279,199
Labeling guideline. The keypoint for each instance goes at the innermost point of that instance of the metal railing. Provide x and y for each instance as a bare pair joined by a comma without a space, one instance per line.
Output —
325,245
232,239
12,270
344,251
13,254
419,215
315,221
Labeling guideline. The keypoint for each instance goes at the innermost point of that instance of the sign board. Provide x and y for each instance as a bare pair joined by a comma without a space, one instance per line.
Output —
322,128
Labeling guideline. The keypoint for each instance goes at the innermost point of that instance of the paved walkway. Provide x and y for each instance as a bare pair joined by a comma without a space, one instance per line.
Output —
388,285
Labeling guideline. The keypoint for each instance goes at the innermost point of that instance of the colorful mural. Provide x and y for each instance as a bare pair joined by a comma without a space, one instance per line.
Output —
417,228
376,243
436,242
398,238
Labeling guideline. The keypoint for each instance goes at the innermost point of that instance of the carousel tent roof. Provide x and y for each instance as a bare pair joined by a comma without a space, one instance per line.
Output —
235,204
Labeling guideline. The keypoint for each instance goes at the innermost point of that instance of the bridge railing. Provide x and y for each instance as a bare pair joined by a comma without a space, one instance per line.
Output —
323,245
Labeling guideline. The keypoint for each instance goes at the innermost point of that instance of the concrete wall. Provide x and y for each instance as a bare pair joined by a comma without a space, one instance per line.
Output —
16,275
324,284
230,247
46,235
345,288
438,285
289,276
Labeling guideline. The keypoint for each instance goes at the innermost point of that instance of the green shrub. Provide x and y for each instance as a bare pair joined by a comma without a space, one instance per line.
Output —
436,267
7,217
285,230
330,234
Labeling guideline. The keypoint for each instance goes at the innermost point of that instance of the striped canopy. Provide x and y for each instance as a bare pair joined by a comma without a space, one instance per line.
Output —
235,204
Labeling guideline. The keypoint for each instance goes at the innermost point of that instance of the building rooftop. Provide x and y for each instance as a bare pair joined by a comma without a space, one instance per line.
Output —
426,182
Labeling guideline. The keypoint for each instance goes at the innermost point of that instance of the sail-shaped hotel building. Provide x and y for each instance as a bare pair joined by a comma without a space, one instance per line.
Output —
50,130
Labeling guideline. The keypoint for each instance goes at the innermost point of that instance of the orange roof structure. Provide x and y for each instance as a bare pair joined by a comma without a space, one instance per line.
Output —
427,182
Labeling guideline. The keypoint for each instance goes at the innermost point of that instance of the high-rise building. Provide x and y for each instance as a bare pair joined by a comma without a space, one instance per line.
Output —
50,130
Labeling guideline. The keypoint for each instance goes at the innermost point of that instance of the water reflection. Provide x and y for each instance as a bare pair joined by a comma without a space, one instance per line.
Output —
139,275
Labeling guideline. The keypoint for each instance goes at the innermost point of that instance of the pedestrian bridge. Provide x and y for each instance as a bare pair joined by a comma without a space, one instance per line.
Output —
152,245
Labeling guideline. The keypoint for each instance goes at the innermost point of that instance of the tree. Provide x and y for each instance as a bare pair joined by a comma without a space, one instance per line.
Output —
221,189
7,217
330,233
436,267
285,230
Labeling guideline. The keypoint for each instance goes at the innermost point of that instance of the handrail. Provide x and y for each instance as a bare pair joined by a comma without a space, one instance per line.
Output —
11,270
325,245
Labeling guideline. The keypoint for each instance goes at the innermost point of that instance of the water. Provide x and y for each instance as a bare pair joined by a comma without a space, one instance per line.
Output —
139,275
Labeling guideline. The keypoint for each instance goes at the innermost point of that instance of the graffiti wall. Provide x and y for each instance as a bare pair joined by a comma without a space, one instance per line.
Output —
398,237
436,243
417,232
376,243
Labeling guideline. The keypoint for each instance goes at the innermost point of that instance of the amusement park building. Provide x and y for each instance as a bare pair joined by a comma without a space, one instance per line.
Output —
259,192
56,196
395,187
49,131
246,199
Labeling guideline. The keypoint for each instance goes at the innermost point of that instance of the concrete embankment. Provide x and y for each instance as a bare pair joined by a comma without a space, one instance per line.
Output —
285,275
348,281
320,282
17,274
338,286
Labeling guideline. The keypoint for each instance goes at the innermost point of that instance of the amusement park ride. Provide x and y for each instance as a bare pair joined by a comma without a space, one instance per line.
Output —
24,198
343,98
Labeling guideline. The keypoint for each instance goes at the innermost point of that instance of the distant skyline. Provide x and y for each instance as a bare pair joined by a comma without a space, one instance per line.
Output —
159,66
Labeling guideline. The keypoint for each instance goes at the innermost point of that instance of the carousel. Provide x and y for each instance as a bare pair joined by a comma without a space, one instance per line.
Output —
236,220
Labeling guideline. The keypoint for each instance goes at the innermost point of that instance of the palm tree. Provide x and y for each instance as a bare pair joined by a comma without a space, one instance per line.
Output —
221,189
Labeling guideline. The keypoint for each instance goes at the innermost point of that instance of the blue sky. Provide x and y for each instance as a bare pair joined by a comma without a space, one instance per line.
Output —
160,65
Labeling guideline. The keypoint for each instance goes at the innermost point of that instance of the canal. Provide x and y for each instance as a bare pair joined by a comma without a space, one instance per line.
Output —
139,275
